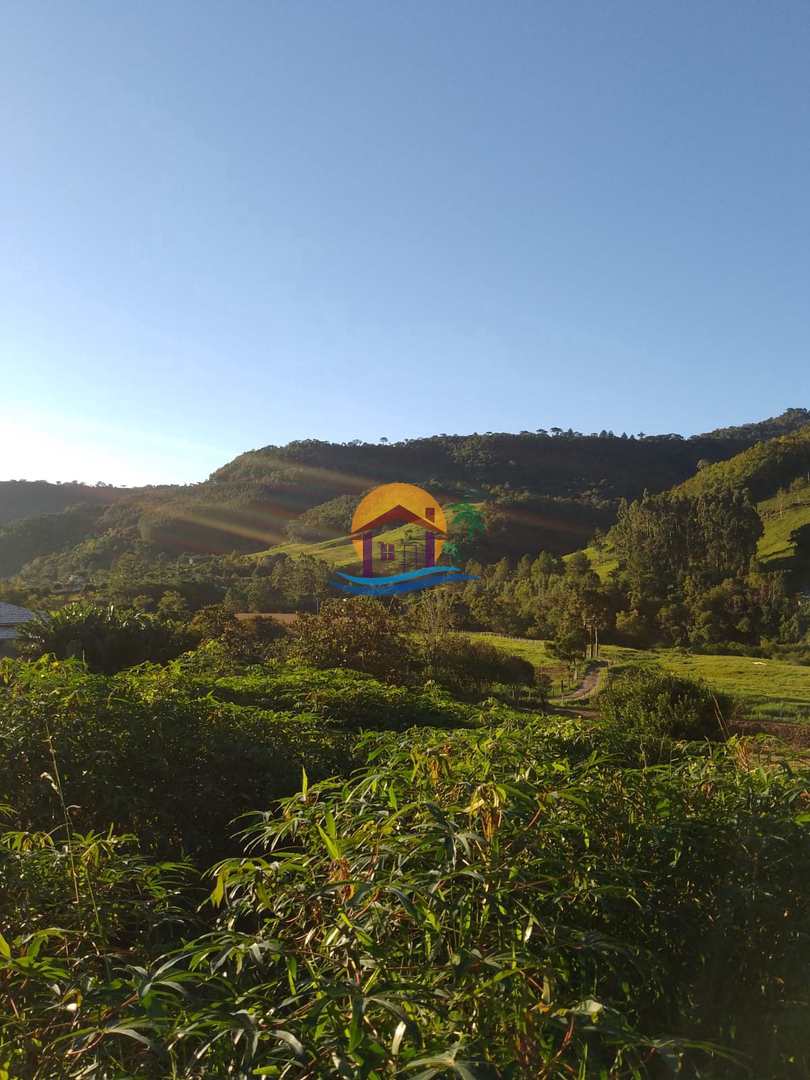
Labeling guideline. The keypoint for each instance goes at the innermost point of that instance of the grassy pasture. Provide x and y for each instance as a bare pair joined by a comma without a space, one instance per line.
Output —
780,516
602,560
768,689
536,653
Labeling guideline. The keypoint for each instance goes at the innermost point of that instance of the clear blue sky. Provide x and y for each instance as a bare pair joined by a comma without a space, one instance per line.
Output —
224,225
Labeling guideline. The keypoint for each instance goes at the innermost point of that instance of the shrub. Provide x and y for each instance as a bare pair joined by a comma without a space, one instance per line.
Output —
108,639
359,633
211,622
505,903
72,911
653,707
471,668
253,640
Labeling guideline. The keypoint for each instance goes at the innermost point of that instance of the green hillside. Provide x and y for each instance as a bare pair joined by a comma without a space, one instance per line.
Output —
25,498
761,470
775,474
340,552
772,689
561,484
545,490
781,515
602,559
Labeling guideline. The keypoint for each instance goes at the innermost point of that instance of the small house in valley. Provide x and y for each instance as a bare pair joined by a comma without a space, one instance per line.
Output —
11,618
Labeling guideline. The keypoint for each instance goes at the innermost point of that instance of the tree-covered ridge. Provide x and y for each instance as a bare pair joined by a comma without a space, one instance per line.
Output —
760,471
560,463
257,501
42,534
188,540
26,498
788,421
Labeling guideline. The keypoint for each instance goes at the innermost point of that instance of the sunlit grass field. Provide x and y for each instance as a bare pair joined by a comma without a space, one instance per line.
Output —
780,516
536,653
602,560
768,689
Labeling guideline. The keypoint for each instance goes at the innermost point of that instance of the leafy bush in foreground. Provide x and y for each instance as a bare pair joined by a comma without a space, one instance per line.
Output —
348,698
358,633
108,638
174,753
490,904
149,754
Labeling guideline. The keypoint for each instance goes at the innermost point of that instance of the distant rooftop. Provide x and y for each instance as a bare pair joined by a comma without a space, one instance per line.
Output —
10,617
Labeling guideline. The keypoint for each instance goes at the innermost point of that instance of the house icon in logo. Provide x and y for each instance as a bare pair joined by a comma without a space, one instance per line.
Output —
398,504
392,566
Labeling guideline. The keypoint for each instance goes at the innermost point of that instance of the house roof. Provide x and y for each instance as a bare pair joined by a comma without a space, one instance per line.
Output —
399,513
11,615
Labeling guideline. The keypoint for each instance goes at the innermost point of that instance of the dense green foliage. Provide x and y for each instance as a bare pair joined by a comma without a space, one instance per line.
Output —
788,421
759,471
154,752
655,707
569,462
325,521
21,541
685,574
661,541
514,901
420,644
29,498
410,877
106,638
357,631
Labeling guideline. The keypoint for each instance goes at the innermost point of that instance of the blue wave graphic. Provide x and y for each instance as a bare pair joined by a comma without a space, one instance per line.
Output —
396,584
408,575
399,587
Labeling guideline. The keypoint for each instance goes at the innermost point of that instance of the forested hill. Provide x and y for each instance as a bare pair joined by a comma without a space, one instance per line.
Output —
760,471
557,463
773,475
24,498
249,503
550,489
788,421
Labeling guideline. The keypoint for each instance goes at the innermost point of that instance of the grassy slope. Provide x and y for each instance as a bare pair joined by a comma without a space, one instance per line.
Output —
601,559
767,688
340,552
536,653
528,649
780,515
